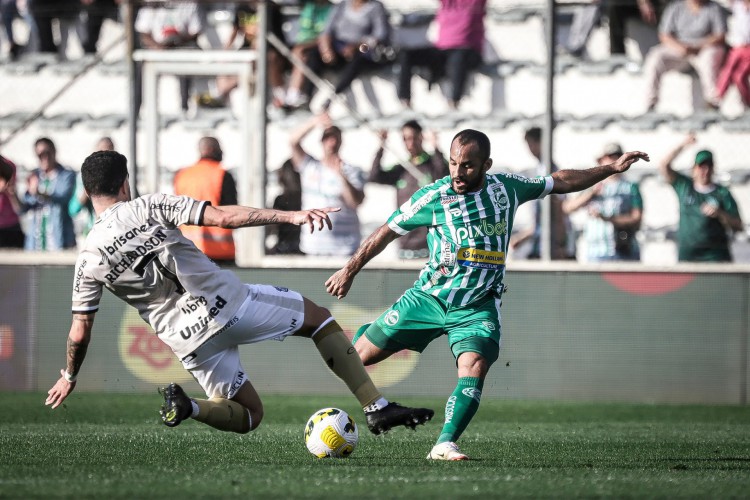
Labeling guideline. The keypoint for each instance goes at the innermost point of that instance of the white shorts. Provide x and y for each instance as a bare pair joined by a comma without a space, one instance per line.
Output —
269,312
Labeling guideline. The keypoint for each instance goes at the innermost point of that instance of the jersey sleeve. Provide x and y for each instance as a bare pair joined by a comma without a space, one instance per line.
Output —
416,212
87,292
173,211
528,188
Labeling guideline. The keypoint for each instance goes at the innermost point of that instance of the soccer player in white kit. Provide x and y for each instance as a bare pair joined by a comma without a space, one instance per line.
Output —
201,311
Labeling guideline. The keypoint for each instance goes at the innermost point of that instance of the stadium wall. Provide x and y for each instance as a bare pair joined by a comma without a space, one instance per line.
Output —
677,337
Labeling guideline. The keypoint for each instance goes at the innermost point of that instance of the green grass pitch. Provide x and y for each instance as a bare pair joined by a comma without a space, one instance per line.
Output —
114,446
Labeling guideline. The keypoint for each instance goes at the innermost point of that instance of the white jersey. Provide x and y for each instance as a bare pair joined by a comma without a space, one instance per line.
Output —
136,251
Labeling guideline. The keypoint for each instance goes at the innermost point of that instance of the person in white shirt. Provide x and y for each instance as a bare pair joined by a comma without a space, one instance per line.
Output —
201,311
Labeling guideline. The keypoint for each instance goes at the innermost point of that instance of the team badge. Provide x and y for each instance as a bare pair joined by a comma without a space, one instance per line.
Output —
391,318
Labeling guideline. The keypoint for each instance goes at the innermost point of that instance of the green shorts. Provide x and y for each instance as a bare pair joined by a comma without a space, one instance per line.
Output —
418,318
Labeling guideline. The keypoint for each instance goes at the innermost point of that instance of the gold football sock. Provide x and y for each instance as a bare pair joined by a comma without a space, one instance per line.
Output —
341,357
223,414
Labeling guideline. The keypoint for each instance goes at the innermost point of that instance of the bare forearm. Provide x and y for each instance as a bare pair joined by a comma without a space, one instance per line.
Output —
372,246
78,342
236,216
569,181
729,221
352,196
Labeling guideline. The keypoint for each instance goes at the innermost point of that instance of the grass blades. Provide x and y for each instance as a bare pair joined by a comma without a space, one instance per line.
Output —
114,446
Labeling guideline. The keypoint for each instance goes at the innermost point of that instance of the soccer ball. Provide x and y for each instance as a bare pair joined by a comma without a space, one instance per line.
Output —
331,432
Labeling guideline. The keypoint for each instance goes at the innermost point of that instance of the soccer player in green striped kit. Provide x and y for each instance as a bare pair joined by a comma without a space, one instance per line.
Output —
469,216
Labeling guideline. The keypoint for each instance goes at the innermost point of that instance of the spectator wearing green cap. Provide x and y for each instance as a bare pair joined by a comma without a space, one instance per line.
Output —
708,212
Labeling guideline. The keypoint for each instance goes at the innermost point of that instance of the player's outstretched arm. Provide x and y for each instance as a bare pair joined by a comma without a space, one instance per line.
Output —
569,181
338,285
78,343
236,216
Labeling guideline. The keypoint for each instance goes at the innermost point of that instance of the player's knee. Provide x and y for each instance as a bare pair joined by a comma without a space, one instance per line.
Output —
364,354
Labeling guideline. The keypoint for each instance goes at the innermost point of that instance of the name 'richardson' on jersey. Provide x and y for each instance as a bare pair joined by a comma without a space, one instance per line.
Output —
136,250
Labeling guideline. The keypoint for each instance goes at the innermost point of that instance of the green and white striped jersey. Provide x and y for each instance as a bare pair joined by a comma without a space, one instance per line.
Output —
467,234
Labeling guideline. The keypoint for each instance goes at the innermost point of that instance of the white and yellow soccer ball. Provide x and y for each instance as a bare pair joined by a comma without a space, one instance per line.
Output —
331,432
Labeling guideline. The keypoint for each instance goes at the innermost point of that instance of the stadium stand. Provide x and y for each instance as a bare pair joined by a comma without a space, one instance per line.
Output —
597,100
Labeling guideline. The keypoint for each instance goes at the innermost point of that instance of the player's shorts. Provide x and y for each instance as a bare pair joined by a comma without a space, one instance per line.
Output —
418,318
269,312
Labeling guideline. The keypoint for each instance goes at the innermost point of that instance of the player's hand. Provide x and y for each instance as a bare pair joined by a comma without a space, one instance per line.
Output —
626,160
315,217
339,284
690,139
59,391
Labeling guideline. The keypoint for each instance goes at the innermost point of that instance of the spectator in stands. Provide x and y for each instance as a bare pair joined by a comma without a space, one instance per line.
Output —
96,12
615,208
208,180
457,50
691,35
562,241
80,207
708,211
44,11
736,68
356,39
11,233
8,12
45,202
287,235
172,25
246,25
312,21
332,182
618,12
424,169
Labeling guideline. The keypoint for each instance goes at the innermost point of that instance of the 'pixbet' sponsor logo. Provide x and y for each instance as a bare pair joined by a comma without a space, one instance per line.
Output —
203,321
481,230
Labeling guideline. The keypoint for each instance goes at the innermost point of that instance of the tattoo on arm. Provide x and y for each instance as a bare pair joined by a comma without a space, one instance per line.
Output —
260,218
76,354
77,349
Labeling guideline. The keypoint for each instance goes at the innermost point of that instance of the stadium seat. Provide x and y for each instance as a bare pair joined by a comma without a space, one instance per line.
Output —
594,122
109,122
513,15
14,120
63,121
649,121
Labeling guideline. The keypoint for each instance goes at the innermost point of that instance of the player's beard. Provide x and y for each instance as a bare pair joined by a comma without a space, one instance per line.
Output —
468,185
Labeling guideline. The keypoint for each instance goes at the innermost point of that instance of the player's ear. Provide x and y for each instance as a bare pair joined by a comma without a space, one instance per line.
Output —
487,165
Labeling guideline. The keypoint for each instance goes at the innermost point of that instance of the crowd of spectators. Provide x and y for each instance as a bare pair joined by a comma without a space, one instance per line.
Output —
351,37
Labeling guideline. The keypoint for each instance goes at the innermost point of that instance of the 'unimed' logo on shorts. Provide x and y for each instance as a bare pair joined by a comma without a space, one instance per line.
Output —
391,318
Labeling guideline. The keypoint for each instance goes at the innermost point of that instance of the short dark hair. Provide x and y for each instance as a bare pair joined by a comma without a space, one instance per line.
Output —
414,125
468,136
104,172
47,142
534,133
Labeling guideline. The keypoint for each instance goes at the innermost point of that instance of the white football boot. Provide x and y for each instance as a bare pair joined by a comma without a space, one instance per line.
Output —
446,451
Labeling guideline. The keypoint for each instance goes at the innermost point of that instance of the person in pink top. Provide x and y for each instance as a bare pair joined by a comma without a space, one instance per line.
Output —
736,67
457,50
11,234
